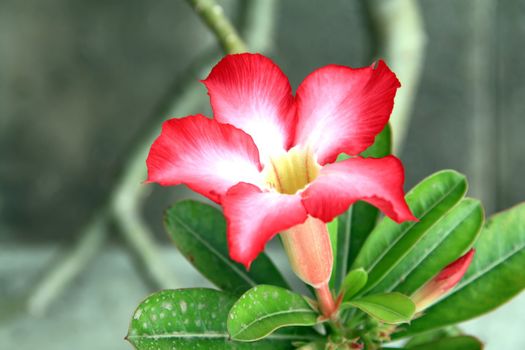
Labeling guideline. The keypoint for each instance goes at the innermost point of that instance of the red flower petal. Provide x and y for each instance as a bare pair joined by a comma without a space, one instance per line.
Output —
376,181
252,93
254,217
207,156
341,109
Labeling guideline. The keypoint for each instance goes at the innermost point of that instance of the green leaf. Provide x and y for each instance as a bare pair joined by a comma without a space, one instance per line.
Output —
382,145
353,283
192,319
263,309
434,335
389,243
354,227
317,345
462,342
199,232
332,232
390,308
495,275
356,224
448,239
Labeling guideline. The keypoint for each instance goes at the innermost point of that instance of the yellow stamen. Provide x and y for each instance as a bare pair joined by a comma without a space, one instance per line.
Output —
292,171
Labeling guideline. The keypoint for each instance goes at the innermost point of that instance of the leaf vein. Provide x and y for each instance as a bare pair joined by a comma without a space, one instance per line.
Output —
243,275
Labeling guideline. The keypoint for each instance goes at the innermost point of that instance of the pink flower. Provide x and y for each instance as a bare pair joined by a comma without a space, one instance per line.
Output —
267,156
447,279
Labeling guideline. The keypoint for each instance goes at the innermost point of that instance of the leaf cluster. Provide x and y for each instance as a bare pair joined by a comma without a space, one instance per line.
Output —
378,265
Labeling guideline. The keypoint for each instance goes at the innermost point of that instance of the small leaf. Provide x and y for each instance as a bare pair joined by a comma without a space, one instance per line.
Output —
353,283
193,319
356,224
495,275
389,242
462,342
390,308
263,309
199,232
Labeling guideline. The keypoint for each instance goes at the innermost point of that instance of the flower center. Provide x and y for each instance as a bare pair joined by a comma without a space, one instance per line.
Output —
292,171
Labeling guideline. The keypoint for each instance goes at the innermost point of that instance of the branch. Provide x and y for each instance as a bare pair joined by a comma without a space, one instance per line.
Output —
397,26
123,204
259,24
213,15
92,239
124,201
483,121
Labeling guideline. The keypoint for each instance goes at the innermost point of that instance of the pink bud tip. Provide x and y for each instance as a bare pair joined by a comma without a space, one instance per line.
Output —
447,279
453,273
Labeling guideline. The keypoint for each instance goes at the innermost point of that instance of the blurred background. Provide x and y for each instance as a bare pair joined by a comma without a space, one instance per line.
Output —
85,85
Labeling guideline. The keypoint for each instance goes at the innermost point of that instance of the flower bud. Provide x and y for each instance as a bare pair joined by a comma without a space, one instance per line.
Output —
310,253
309,250
447,279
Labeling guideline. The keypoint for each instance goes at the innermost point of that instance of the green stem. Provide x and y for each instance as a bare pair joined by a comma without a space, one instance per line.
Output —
398,33
326,300
213,15
57,279
258,18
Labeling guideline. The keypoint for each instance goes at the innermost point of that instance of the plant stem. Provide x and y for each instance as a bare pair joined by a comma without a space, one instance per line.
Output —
213,15
397,29
326,300
92,239
258,24
482,120
123,202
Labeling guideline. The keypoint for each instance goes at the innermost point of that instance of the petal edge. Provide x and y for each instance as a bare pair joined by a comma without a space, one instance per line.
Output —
251,92
342,109
207,156
254,217
378,181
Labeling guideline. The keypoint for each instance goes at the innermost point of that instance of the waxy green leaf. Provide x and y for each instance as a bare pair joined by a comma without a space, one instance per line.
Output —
389,243
448,239
436,334
496,274
193,319
264,309
356,224
353,283
462,342
390,308
332,228
199,232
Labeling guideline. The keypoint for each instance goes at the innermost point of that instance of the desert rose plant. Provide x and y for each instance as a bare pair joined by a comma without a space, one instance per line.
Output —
315,170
